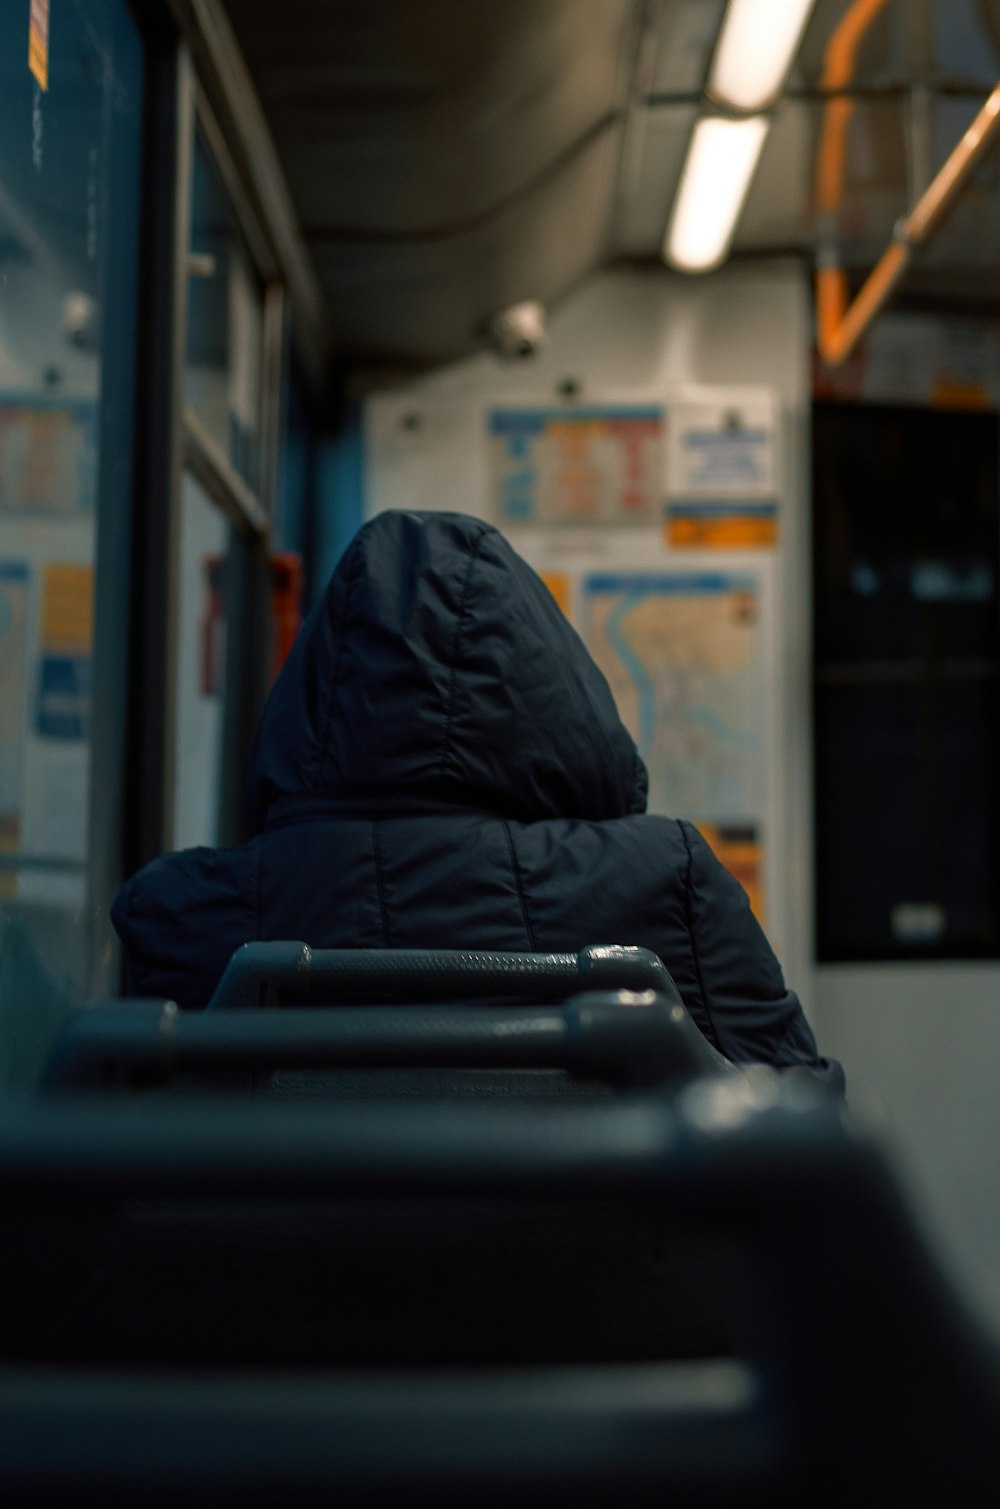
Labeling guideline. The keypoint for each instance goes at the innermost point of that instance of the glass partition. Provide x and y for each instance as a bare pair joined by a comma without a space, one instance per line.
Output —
222,373
201,668
70,135
225,501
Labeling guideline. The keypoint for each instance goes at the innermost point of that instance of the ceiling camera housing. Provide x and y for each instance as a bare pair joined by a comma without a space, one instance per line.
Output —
518,331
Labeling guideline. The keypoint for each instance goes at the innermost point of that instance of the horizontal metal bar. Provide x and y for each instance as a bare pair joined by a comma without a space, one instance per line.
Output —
818,95
644,1040
16,861
526,1435
724,1143
291,971
207,462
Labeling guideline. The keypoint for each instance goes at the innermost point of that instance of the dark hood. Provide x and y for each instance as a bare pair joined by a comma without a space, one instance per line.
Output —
438,665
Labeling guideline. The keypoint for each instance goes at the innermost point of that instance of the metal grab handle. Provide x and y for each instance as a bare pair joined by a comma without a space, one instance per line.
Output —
623,1038
717,1147
267,974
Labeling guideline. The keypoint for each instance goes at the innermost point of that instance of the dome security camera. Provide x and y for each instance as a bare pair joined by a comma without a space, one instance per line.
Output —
518,331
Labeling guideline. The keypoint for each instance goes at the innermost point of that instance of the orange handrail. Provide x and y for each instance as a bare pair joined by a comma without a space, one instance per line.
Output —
840,324
838,70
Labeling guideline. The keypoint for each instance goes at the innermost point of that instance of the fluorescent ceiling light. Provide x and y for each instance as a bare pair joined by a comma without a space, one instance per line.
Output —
720,163
755,49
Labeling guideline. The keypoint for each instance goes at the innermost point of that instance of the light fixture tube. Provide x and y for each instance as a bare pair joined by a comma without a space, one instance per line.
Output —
721,158
755,49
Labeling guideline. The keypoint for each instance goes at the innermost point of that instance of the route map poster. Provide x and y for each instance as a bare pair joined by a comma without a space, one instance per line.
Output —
683,654
572,466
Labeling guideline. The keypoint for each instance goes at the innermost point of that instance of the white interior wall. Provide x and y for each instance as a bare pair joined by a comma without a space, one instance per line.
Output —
920,1042
642,337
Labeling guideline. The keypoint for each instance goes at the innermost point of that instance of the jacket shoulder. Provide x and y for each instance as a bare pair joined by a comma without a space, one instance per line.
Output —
586,880
655,881
181,917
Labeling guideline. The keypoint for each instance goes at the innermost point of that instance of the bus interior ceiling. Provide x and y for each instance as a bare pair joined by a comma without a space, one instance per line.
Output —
448,160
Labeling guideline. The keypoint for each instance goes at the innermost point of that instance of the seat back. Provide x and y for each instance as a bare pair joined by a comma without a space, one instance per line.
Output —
688,1434
862,1376
182,1241
462,1280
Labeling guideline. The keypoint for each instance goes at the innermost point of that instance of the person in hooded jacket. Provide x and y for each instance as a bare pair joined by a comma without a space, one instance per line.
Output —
440,764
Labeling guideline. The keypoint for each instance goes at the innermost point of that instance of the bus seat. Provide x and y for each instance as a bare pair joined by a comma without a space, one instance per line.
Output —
863,1378
374,1275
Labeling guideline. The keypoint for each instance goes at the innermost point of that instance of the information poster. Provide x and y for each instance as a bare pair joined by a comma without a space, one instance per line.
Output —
558,583
48,457
684,657
64,673
739,849
571,466
13,649
721,477
56,803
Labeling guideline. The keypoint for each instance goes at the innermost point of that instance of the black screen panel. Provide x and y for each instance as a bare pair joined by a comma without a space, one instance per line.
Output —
907,680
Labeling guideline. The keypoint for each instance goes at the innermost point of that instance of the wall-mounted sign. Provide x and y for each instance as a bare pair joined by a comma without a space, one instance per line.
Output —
13,670
684,656
64,673
48,456
559,585
739,848
721,476
572,466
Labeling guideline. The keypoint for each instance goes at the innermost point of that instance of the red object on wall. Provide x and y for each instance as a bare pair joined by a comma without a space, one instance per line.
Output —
213,626
286,605
285,620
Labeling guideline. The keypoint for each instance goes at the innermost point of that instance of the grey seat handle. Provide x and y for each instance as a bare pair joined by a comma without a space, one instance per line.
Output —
280,973
622,1038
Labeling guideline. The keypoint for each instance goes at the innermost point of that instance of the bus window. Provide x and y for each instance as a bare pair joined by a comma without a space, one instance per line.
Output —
71,98
907,682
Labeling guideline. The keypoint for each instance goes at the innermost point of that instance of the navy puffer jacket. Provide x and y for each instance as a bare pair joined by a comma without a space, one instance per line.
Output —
440,764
